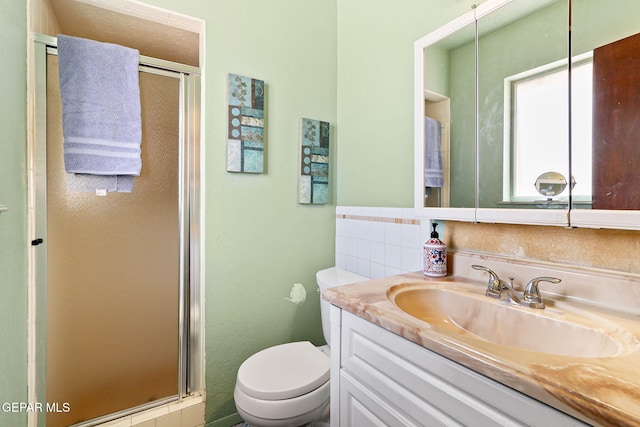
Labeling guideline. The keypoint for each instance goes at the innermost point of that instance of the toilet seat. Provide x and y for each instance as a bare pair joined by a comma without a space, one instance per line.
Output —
285,382
284,371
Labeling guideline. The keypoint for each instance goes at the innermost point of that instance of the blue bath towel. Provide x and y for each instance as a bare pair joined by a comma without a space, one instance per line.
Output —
433,176
100,94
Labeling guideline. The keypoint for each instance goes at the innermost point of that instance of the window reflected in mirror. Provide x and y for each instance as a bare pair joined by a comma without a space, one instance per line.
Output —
523,56
539,123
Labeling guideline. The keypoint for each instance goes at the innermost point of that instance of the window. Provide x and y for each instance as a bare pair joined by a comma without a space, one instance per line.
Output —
539,131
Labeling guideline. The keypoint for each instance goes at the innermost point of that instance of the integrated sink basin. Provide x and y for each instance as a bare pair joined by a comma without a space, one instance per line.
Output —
462,311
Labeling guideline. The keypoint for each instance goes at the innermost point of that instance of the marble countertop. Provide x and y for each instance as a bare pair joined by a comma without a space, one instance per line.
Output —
598,390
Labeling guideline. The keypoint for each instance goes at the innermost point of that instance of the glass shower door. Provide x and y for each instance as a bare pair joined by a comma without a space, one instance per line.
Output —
114,271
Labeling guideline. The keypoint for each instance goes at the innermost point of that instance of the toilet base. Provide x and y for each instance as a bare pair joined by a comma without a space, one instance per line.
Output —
318,417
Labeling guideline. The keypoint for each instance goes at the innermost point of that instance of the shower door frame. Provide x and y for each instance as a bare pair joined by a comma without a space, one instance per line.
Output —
191,357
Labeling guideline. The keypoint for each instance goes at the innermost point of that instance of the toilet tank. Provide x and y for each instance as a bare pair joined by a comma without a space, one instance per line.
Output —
329,278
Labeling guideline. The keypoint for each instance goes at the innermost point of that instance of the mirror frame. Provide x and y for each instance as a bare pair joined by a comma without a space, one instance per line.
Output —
613,219
604,218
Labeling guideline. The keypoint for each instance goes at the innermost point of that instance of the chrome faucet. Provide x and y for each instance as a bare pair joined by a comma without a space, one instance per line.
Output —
531,297
508,294
493,287
496,285
501,290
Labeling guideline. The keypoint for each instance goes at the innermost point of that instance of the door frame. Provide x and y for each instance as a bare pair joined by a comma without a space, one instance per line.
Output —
191,335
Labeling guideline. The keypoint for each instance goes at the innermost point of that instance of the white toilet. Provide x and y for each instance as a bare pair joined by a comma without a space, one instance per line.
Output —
288,385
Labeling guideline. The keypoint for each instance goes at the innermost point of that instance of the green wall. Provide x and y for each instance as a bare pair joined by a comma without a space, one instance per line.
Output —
258,239
13,194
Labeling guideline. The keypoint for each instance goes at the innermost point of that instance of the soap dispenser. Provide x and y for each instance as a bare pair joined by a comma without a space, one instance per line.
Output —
435,255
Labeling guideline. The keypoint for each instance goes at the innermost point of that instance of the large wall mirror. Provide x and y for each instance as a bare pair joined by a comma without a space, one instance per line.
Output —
497,82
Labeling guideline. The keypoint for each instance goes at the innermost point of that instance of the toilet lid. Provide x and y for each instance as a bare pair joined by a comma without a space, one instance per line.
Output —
284,371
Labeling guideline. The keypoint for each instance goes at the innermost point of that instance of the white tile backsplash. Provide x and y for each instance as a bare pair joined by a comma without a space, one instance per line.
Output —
411,236
364,249
377,270
352,246
392,234
377,253
364,230
377,232
379,242
393,256
411,259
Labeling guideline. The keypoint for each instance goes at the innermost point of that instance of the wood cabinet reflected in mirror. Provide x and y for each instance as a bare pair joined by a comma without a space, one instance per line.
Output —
616,125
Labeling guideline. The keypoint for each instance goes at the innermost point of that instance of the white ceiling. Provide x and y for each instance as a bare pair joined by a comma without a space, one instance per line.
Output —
176,39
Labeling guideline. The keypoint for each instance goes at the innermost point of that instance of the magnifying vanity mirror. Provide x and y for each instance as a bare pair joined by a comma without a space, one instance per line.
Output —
550,185
497,83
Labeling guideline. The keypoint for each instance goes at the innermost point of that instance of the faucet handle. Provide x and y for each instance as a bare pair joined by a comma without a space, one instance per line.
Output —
494,286
531,296
492,275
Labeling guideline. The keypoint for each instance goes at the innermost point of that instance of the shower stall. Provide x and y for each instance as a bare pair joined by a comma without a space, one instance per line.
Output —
117,280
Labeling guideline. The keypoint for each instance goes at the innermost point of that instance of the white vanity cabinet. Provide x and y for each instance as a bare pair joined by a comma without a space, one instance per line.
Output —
381,379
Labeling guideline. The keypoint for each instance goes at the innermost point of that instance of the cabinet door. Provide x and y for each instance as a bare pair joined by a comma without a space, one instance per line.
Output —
421,387
616,102
400,383
361,406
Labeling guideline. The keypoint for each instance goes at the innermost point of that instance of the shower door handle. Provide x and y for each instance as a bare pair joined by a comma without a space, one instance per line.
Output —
37,241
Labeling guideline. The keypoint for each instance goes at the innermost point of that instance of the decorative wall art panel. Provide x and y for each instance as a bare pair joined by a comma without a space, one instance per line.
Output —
245,138
313,180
